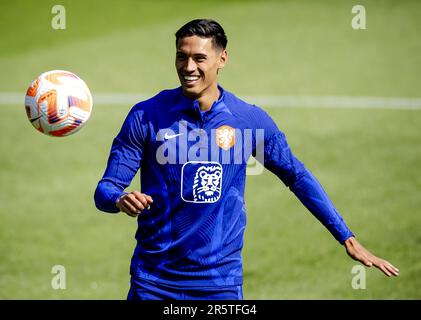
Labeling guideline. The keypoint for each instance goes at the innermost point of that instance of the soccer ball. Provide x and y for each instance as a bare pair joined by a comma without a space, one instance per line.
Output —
58,103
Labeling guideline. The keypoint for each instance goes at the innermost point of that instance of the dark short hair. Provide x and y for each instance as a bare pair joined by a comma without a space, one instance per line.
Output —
205,28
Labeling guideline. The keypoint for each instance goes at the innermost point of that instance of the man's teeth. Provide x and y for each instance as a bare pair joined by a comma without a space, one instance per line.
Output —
191,78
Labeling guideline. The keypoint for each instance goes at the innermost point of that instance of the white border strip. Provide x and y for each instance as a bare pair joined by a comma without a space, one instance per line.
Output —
129,99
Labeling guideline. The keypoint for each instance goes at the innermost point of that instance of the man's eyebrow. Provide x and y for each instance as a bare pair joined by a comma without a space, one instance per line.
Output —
196,54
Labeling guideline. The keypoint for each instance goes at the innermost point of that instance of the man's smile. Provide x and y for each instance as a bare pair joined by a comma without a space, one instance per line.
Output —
190,79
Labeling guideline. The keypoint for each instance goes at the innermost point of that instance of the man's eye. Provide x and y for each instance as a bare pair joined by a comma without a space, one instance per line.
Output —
181,58
200,59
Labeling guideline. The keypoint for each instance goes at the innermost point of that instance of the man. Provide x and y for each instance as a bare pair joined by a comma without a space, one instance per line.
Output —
192,144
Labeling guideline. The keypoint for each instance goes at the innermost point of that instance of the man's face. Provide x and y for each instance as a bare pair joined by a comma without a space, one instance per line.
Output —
197,62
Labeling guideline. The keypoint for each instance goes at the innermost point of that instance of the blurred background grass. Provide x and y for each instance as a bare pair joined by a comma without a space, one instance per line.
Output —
368,160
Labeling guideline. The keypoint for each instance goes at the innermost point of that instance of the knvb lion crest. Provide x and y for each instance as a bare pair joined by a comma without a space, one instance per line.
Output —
207,184
201,181
225,137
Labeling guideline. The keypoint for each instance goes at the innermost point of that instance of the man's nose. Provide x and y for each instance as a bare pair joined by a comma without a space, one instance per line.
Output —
190,65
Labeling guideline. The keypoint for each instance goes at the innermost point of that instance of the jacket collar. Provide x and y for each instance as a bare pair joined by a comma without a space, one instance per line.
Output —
187,104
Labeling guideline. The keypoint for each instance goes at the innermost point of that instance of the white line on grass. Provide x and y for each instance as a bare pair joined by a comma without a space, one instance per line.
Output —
263,101
336,102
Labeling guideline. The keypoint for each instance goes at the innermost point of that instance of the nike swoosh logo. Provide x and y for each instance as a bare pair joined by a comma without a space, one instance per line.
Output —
170,136
34,119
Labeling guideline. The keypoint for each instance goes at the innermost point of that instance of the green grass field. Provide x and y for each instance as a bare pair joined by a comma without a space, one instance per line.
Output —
368,160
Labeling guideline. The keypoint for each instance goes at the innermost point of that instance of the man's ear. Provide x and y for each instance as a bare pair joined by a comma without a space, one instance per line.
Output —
223,58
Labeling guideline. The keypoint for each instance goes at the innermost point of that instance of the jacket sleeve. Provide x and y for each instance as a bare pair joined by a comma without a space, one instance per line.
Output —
279,159
123,162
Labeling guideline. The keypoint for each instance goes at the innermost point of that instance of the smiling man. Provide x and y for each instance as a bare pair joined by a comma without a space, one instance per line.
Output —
198,60
192,145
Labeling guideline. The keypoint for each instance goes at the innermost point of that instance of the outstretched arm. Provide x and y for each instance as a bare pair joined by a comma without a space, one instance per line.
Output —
281,161
357,252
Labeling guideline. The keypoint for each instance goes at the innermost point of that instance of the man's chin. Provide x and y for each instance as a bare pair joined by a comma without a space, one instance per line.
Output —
190,92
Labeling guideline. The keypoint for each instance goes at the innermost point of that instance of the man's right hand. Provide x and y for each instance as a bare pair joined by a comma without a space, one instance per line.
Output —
134,203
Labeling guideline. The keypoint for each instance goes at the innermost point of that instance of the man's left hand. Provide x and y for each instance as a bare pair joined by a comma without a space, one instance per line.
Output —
357,252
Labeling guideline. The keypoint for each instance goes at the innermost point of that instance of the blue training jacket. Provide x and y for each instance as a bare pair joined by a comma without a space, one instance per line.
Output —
193,165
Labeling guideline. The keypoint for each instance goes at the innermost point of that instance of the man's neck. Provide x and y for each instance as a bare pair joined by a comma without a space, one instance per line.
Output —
207,99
